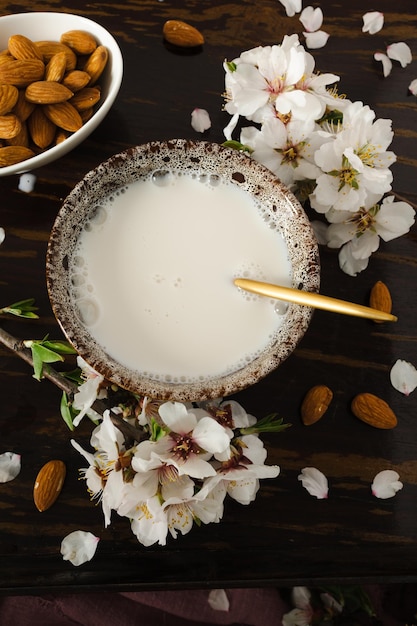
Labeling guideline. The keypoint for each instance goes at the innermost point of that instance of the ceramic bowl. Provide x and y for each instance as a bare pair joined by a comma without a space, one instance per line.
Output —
195,244
49,26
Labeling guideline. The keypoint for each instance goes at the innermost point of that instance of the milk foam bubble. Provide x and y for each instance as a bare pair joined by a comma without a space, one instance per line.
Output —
153,276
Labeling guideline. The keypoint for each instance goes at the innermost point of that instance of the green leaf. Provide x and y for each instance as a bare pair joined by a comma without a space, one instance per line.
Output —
231,66
60,347
268,424
157,432
23,308
41,355
236,145
67,412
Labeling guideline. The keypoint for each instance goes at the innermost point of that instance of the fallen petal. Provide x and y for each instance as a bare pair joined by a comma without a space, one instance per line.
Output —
291,6
403,376
316,40
400,52
386,484
315,482
218,600
372,22
2,235
311,18
79,547
386,62
413,87
10,465
200,120
27,182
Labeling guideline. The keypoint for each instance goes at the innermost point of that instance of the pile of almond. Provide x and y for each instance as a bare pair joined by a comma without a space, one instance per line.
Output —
48,90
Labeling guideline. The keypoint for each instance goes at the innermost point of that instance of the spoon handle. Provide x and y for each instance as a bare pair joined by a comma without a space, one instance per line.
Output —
313,299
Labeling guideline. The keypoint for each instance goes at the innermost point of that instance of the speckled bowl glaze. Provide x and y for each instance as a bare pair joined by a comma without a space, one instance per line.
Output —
187,156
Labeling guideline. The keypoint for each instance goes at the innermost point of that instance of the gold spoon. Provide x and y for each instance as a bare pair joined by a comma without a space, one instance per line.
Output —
312,299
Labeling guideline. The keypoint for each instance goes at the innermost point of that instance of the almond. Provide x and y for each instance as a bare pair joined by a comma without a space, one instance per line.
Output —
48,484
47,92
9,155
20,47
79,41
41,129
373,411
76,80
182,34
22,137
56,67
380,298
23,108
49,48
10,126
315,404
96,63
64,115
21,73
8,98
86,98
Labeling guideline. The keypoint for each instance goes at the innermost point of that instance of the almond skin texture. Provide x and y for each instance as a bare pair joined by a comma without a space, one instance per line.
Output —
380,298
47,92
56,68
182,34
48,484
20,47
10,126
41,129
49,48
76,80
96,63
21,73
64,115
373,411
9,155
315,404
86,98
8,98
79,41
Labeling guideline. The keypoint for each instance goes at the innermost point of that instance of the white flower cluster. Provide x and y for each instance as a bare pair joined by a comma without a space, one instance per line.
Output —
191,459
323,147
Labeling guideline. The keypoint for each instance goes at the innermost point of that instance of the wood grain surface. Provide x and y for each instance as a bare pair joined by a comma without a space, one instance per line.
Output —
286,536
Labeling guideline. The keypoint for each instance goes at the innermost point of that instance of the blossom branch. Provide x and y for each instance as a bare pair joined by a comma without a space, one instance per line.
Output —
67,386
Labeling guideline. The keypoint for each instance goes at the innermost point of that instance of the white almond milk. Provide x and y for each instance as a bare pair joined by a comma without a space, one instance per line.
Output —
153,277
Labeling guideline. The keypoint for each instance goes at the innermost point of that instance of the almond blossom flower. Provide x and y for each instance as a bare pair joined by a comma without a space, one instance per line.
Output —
270,80
193,438
315,482
200,120
386,484
363,229
10,466
291,6
79,547
312,20
403,376
88,392
373,22
284,148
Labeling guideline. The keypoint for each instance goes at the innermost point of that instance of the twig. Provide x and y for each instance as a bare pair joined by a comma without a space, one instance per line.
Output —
67,386
402,199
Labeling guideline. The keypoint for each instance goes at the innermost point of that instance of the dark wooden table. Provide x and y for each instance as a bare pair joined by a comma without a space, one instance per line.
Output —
286,536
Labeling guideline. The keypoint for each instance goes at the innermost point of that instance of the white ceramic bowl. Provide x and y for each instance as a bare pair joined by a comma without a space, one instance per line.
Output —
50,26
193,238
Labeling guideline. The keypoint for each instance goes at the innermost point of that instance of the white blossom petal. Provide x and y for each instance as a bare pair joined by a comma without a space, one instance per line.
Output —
386,484
316,40
386,62
2,235
403,377
10,465
218,600
200,120
372,22
400,52
79,547
311,18
27,182
412,87
291,6
315,482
